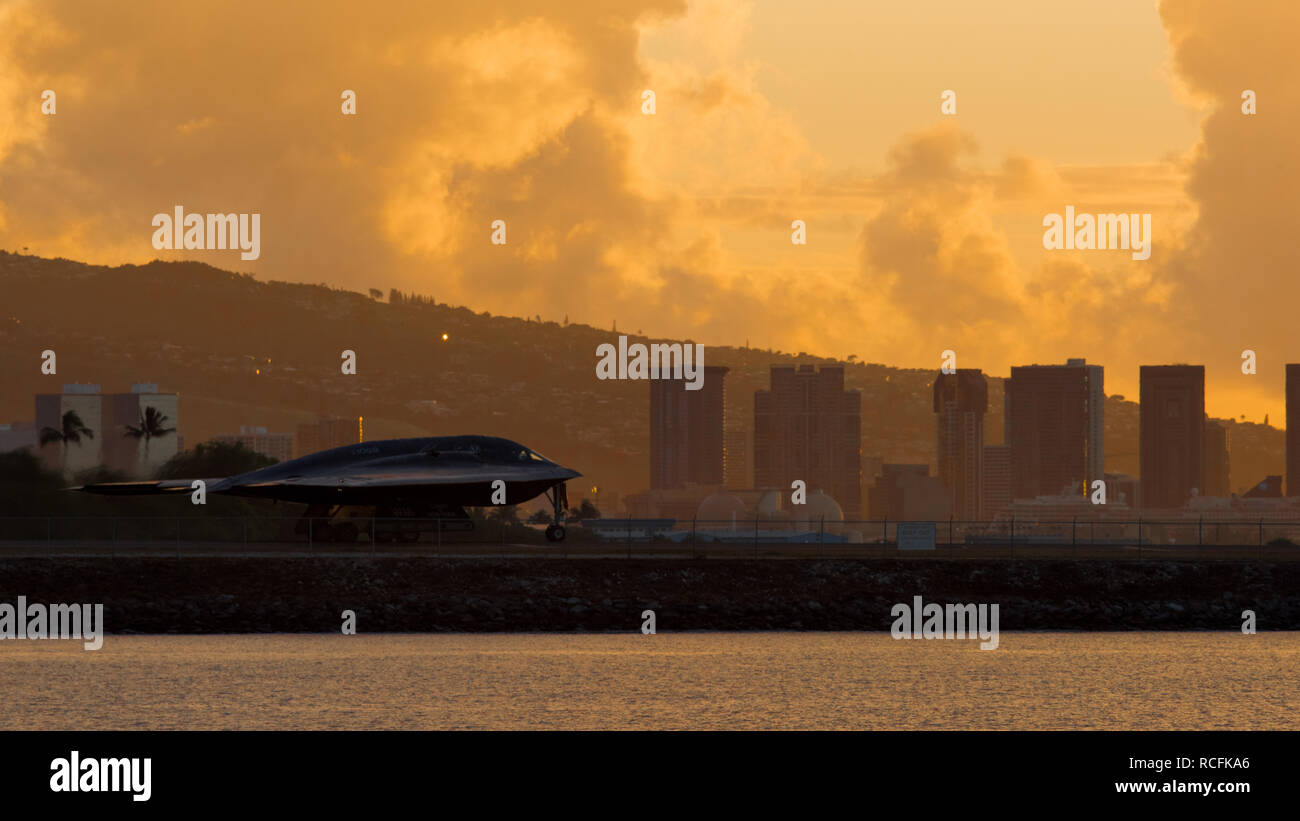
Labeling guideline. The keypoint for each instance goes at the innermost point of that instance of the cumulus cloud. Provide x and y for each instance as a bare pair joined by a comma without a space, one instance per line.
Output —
1235,275
678,223
464,115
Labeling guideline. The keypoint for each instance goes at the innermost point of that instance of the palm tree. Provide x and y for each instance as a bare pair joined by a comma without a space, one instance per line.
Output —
72,431
150,427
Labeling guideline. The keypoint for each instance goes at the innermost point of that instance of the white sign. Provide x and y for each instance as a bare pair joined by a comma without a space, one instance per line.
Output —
916,536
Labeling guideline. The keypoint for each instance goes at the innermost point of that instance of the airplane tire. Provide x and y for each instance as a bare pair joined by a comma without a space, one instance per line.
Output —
555,533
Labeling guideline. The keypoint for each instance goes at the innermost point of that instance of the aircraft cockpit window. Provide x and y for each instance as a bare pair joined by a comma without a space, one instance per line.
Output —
537,457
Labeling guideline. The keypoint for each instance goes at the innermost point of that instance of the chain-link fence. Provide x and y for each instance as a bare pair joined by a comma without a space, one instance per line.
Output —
758,538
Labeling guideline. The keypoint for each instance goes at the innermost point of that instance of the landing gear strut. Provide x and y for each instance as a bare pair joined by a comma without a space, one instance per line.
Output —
559,499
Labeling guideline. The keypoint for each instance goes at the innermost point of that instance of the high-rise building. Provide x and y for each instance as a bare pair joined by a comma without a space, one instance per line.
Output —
996,481
1172,434
1216,460
278,446
960,401
140,455
686,446
1293,430
1054,423
88,403
326,433
872,467
807,427
735,468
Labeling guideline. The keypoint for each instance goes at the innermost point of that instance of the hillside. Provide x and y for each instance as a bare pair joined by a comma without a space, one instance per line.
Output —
240,351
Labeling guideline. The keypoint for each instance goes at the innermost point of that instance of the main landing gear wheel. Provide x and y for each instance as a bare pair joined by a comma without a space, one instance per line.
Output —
555,533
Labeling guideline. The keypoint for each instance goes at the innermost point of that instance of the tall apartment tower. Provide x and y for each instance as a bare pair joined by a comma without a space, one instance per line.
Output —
996,482
735,465
808,427
1216,460
1172,434
1293,430
960,401
686,446
1055,421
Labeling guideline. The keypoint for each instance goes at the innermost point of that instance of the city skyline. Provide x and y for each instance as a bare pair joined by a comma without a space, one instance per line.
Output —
712,470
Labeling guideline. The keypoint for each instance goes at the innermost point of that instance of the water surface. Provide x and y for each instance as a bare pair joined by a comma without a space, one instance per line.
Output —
669,681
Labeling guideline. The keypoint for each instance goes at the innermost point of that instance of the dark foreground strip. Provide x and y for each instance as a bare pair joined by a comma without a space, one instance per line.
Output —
616,774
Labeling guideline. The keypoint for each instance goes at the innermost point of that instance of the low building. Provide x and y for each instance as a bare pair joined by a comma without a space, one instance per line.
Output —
18,436
326,433
87,401
277,446
909,493
140,454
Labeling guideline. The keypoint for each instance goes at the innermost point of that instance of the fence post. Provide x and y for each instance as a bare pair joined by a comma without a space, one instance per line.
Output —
1074,537
178,537
755,536
950,533
1013,536
1199,520
1261,532
692,538
821,535
112,551
1139,538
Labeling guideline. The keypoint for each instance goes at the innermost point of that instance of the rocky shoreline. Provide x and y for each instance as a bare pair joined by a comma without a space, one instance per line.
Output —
300,594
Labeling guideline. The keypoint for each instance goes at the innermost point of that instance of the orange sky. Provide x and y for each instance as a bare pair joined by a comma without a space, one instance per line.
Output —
924,231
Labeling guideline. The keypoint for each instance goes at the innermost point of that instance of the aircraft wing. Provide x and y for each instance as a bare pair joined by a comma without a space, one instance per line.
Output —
421,478
150,488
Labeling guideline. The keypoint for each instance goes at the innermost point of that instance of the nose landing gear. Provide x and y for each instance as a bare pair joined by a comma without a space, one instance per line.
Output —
559,499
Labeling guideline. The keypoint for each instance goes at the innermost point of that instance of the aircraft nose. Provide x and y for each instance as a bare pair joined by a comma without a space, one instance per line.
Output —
569,473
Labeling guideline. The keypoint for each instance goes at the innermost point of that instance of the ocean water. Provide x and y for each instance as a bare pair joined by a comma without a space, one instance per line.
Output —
668,681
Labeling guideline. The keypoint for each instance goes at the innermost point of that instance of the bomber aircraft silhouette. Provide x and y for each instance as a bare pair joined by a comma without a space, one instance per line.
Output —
432,478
